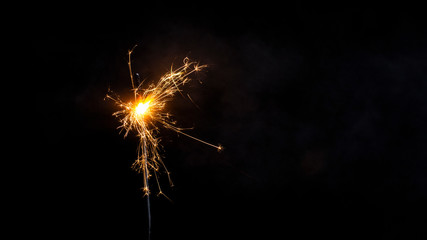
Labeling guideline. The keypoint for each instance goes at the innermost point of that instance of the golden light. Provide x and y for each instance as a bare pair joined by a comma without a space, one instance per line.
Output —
142,107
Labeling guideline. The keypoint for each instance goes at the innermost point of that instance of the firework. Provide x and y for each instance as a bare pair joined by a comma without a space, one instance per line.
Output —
146,113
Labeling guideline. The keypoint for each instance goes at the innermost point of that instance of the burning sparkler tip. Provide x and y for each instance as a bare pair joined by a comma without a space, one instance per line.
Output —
142,108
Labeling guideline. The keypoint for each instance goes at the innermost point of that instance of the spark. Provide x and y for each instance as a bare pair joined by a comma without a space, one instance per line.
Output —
145,114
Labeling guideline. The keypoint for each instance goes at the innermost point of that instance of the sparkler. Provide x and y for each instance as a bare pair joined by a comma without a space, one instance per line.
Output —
146,112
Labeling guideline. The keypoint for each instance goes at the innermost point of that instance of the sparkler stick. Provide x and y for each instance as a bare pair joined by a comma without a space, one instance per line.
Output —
146,112
146,189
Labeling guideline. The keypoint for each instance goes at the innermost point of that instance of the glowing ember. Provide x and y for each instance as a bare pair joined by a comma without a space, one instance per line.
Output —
142,108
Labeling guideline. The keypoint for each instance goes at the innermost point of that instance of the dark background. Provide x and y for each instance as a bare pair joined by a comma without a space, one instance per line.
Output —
321,110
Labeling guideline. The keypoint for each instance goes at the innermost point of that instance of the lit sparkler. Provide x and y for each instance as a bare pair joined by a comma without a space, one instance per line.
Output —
146,112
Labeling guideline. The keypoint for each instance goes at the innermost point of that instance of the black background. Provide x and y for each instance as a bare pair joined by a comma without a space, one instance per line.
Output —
321,110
